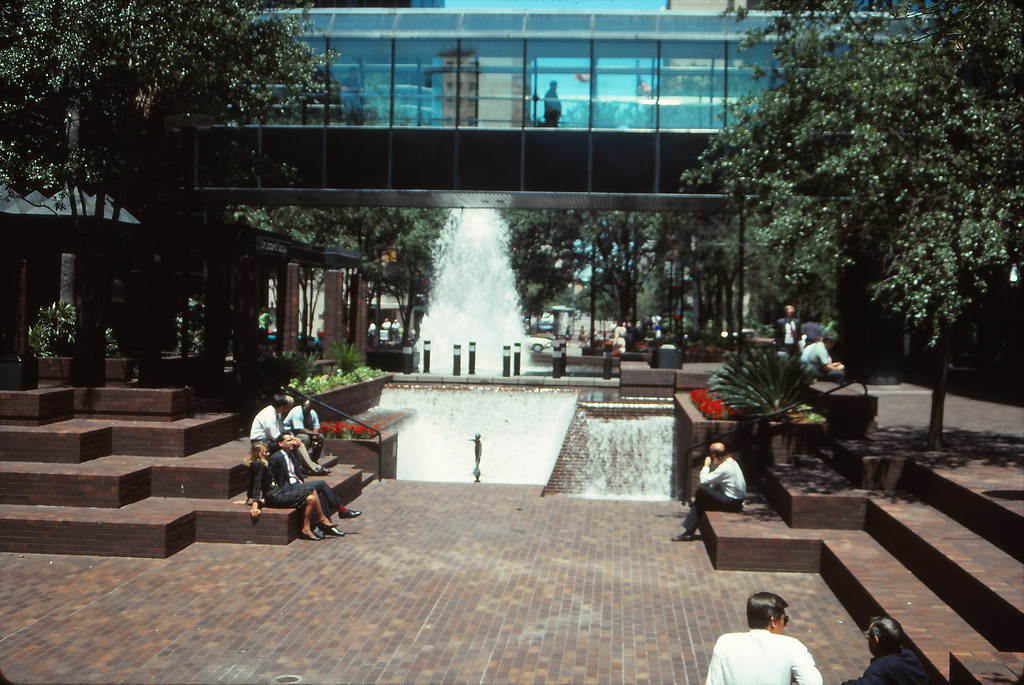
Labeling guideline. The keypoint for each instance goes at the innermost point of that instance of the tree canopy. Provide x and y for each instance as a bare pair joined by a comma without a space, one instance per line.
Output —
893,140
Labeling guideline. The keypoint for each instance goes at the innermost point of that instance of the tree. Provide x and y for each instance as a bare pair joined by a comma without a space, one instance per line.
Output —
891,148
87,86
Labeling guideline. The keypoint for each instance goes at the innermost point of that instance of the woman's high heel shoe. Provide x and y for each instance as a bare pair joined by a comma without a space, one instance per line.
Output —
315,537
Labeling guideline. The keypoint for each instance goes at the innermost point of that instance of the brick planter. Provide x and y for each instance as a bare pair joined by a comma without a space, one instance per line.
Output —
363,454
691,428
57,370
756,447
351,399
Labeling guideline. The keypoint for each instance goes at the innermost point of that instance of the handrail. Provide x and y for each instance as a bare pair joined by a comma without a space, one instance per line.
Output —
746,424
291,390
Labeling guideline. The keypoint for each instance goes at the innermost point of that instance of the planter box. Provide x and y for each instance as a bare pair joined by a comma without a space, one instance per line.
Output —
693,428
19,373
351,399
755,447
58,370
363,454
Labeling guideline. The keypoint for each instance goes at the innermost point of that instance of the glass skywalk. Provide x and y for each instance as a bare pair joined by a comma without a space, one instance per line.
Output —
646,70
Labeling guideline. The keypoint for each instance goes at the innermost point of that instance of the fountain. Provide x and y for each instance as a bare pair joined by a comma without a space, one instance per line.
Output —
473,295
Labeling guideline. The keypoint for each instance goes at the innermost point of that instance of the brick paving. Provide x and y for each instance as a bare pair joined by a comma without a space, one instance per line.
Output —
435,583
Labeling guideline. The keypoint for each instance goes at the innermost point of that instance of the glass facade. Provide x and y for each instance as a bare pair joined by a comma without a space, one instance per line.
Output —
507,70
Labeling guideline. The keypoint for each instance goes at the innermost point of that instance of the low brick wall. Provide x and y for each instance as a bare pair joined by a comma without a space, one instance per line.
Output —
152,404
363,454
351,399
36,407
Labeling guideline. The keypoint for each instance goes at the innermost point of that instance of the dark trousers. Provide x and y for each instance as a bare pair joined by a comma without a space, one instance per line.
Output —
708,499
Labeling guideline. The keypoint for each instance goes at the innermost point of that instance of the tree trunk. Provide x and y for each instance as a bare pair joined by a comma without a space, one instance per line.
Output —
939,392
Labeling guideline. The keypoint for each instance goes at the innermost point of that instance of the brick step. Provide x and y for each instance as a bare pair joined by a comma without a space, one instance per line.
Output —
810,494
147,404
986,669
978,580
758,540
108,482
36,407
229,521
985,498
869,581
169,438
66,442
152,528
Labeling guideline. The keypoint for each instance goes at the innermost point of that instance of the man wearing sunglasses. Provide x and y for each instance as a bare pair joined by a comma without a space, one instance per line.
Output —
762,655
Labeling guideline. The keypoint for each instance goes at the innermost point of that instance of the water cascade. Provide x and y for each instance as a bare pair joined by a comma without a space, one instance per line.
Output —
628,458
473,296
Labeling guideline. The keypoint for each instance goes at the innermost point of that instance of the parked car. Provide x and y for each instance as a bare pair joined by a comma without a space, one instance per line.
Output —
537,344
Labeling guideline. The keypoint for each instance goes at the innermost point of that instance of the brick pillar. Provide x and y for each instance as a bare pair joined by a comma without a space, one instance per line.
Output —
334,307
361,318
289,327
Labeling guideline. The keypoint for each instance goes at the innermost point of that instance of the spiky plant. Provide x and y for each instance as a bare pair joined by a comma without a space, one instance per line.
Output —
759,382
346,356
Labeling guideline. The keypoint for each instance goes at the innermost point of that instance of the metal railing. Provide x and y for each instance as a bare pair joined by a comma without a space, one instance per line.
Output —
745,425
295,392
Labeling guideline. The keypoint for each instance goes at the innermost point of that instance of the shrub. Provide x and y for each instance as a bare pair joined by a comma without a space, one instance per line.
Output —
294,365
759,382
346,356
53,334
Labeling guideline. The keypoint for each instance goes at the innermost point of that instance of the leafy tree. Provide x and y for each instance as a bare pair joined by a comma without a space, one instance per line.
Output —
546,253
891,148
87,85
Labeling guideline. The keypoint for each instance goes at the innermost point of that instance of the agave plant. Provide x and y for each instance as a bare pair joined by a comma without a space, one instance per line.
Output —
759,382
346,356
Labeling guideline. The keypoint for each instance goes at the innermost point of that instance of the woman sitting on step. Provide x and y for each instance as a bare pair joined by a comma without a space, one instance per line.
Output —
265,491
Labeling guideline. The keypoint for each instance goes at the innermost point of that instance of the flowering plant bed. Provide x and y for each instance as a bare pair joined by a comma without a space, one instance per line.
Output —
347,431
369,455
710,406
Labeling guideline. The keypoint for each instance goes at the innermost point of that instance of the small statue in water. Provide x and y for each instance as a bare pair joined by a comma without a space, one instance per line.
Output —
478,450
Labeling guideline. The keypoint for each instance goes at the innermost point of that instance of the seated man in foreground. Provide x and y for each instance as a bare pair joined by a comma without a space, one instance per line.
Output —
762,655
722,488
891,662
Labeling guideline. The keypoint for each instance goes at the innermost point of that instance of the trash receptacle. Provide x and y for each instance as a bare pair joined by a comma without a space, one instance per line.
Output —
667,357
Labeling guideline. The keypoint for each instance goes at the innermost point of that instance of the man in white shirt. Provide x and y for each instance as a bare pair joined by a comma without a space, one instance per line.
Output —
762,655
817,358
268,424
722,488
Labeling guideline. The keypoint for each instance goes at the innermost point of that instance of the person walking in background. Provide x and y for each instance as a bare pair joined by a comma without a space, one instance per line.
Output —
762,655
787,332
891,662
552,106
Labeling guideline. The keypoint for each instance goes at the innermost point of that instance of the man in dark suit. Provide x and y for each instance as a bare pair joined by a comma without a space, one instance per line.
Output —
284,467
787,332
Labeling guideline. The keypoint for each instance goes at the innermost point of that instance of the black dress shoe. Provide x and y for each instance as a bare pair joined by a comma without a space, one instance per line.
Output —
331,531
316,537
349,513
684,537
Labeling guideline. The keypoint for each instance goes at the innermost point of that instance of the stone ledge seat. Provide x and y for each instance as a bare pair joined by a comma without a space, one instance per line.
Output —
152,528
851,412
809,494
106,482
67,442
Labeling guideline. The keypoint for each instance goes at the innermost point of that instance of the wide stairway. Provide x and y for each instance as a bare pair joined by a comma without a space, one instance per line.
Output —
130,472
937,544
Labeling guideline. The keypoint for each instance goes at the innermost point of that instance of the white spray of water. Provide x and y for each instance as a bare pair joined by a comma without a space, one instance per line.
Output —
521,432
628,458
473,296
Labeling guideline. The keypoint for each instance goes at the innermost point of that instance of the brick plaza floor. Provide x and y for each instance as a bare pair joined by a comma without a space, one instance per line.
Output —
435,583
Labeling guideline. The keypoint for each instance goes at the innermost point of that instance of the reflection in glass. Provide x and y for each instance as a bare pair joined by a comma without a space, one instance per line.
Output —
625,84
566,65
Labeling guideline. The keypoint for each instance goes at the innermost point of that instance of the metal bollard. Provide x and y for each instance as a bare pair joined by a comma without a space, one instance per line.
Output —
472,358
518,359
426,356
556,361
506,360
457,361
607,361
407,359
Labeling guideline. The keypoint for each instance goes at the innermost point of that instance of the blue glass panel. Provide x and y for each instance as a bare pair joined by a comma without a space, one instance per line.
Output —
425,82
493,22
427,22
625,84
349,23
563,23
692,88
361,82
628,23
491,83
567,65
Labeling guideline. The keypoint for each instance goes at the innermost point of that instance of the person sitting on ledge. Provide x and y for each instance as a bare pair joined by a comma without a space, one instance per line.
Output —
264,490
269,423
817,359
284,467
722,488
